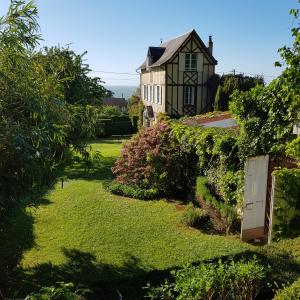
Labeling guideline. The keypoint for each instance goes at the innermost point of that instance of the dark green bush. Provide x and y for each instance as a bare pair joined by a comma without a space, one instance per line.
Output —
195,217
240,280
103,127
121,127
291,292
133,191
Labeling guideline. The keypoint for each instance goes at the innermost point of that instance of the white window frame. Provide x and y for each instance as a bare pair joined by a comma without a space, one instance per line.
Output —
190,61
188,95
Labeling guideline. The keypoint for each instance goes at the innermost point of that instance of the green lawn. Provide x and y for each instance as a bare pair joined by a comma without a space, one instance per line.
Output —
82,233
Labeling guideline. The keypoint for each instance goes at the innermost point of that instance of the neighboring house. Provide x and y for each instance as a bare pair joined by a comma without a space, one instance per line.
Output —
175,77
120,103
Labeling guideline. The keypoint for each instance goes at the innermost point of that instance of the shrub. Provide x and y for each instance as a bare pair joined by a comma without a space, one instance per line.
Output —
133,191
64,292
291,292
195,217
234,280
228,212
153,159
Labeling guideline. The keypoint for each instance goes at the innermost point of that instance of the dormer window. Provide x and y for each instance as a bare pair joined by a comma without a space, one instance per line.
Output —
191,61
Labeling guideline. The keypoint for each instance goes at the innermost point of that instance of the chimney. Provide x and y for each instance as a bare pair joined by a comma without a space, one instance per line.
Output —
210,45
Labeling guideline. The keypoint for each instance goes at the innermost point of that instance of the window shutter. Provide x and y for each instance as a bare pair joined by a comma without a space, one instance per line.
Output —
200,62
181,61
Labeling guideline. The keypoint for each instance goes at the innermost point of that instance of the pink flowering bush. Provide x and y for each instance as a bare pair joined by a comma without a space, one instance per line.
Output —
153,160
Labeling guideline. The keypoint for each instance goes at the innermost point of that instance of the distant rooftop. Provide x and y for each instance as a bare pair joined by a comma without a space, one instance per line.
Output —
114,101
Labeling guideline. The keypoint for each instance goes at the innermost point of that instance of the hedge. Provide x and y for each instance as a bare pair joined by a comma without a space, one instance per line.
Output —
132,191
113,126
286,212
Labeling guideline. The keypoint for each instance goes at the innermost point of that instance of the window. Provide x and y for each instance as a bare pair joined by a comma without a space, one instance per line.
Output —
191,61
151,93
145,92
188,95
158,94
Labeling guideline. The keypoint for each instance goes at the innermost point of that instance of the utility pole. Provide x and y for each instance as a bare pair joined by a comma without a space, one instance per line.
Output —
233,72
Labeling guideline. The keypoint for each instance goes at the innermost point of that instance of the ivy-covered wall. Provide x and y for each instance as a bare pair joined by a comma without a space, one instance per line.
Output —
286,209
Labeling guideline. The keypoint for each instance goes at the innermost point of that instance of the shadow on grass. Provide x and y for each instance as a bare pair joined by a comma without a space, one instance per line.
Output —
100,171
102,279
16,231
16,236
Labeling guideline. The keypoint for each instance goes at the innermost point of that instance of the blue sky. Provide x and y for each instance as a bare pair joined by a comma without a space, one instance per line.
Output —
117,33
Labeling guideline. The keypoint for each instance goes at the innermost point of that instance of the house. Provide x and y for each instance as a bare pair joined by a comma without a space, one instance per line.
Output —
120,103
175,77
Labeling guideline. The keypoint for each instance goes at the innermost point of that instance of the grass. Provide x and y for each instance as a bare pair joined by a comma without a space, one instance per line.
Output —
84,234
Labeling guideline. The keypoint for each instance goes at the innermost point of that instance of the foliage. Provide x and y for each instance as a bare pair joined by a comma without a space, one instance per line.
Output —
218,158
33,121
286,212
293,148
229,186
152,159
195,217
230,83
232,280
108,111
135,109
37,124
228,212
133,191
266,114
291,292
78,87
63,292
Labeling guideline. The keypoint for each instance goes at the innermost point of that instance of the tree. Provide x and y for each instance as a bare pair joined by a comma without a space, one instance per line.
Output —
229,83
37,125
79,88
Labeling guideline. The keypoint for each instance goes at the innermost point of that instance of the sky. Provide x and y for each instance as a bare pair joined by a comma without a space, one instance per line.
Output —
117,33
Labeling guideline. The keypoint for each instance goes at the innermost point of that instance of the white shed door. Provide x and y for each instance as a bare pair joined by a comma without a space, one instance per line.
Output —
256,178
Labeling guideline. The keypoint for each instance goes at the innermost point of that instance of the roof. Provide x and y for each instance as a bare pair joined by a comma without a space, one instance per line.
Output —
223,120
113,101
172,46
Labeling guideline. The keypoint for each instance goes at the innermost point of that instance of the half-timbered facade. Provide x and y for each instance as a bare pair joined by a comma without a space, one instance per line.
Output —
175,77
